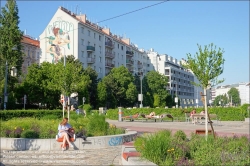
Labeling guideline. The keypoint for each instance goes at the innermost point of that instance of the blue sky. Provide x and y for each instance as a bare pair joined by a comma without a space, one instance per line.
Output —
174,27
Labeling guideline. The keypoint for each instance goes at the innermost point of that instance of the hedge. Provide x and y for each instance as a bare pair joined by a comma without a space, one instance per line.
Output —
224,113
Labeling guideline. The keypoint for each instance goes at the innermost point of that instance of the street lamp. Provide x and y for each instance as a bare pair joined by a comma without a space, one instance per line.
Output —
140,96
197,98
176,98
13,73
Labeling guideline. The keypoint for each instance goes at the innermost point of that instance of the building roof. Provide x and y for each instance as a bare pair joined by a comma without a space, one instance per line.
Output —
28,40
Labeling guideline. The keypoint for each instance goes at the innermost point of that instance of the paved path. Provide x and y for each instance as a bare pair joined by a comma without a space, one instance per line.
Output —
111,156
223,128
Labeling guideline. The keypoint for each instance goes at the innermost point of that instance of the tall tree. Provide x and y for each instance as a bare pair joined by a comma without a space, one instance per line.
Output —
118,83
92,89
234,96
207,64
10,44
157,84
10,38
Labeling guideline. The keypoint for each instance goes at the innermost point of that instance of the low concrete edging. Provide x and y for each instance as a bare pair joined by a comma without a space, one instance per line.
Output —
20,144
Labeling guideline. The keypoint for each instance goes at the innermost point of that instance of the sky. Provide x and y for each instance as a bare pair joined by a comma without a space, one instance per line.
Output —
173,27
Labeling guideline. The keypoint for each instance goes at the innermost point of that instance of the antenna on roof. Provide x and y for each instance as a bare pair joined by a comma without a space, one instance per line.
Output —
76,8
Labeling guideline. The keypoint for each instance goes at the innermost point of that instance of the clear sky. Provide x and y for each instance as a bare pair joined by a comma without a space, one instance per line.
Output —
174,27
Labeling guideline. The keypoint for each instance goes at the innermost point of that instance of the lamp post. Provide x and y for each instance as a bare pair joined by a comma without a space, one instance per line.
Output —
5,86
13,73
176,98
140,96
24,101
64,97
197,98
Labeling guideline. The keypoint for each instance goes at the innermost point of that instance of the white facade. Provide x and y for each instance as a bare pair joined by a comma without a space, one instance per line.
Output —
244,93
70,34
95,46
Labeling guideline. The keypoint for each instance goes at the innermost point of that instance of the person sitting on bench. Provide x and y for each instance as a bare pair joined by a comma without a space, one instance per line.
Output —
131,116
151,115
63,127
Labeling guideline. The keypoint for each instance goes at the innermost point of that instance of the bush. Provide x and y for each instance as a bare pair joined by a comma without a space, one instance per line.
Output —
164,149
29,134
97,125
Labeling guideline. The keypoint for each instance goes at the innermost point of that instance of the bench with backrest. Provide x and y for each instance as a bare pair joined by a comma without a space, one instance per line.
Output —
160,118
214,117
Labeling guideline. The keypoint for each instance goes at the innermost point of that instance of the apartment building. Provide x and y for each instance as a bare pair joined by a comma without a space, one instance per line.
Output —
97,47
179,78
32,51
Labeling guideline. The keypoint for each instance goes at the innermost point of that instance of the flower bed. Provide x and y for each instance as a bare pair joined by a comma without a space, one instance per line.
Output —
163,148
46,126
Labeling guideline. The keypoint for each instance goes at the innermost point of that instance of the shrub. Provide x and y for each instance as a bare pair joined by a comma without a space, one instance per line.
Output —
29,134
97,125
180,135
175,150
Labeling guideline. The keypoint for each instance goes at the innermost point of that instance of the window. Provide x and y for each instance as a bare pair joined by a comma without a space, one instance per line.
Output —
82,30
100,59
88,43
100,48
118,45
100,37
82,54
94,35
122,47
89,32
94,45
100,70
83,42
122,56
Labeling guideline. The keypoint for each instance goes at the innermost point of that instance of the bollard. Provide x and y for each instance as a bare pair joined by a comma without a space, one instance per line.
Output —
120,114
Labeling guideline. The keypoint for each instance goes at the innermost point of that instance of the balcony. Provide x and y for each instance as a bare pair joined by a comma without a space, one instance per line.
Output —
131,69
91,60
109,55
129,62
129,53
140,66
109,44
109,65
90,48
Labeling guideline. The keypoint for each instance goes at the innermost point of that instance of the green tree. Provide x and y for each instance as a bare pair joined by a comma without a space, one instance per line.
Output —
102,94
10,47
221,100
92,89
234,93
117,83
157,84
207,64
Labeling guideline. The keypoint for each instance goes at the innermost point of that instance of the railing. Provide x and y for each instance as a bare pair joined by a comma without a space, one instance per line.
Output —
109,44
91,60
130,62
109,55
110,65
90,48
140,66
131,53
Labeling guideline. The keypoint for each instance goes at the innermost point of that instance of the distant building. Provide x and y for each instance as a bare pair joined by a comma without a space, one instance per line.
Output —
244,93
32,51
243,89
